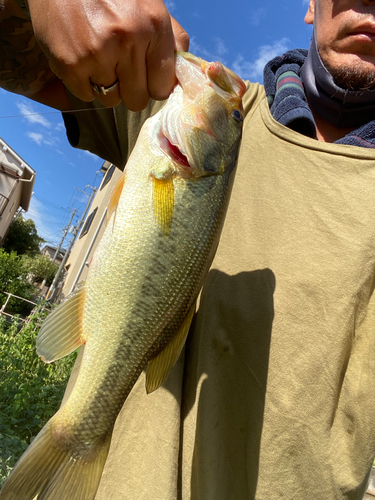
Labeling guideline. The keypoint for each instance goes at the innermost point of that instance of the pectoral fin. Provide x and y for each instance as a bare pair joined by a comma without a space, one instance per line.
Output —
159,367
61,333
163,200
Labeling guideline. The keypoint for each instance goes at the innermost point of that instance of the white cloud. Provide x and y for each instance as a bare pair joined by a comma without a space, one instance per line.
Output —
82,197
42,139
50,141
209,55
60,126
34,136
171,6
31,115
38,213
94,157
258,15
253,70
221,49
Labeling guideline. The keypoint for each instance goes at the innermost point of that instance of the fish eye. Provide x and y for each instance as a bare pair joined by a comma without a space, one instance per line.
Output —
237,116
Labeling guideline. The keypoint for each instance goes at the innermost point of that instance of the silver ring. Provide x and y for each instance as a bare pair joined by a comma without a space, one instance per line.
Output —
101,90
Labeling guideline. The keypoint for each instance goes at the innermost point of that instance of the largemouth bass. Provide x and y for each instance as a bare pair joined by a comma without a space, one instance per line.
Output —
135,308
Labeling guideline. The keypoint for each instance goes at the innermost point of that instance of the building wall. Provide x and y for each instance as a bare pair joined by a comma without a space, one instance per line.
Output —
8,183
16,184
50,252
85,245
9,208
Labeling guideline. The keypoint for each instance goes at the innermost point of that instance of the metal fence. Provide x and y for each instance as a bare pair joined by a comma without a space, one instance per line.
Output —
37,308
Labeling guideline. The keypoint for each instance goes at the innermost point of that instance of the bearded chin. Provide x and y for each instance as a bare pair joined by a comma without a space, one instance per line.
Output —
352,78
344,98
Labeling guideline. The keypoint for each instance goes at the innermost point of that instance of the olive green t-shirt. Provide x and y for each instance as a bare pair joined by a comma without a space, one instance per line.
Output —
274,396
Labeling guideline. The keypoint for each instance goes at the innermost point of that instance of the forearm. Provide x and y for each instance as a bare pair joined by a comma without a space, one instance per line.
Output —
24,68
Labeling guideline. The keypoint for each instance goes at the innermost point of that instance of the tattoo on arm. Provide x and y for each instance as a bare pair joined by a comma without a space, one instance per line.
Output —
24,68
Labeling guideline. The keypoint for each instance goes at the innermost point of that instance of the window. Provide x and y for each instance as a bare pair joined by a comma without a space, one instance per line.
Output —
88,222
108,176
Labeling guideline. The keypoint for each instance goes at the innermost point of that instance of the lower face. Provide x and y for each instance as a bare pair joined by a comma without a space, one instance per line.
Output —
345,33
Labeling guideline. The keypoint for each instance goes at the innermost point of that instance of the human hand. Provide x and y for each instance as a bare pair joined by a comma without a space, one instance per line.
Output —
104,41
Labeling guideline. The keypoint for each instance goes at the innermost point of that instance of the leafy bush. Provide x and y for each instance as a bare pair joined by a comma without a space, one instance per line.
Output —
13,279
40,267
30,390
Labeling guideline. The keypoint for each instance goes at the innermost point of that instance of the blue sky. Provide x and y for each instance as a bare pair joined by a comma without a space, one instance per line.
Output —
243,35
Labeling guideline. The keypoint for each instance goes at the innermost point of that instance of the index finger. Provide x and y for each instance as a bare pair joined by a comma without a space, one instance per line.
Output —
182,40
160,60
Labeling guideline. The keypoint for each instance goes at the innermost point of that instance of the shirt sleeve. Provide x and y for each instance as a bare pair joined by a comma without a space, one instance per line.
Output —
110,133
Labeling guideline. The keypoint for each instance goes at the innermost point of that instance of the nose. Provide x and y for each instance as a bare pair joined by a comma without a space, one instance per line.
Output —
369,2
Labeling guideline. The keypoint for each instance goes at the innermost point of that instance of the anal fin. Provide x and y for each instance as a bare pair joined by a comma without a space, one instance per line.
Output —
159,367
61,333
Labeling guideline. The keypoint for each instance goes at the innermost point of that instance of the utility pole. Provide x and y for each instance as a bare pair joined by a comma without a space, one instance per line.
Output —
60,245
67,227
76,231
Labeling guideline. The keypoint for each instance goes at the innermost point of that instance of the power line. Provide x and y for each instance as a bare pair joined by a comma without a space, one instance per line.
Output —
51,203
51,291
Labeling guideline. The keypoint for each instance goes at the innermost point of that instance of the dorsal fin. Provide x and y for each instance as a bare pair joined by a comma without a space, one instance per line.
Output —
115,196
159,367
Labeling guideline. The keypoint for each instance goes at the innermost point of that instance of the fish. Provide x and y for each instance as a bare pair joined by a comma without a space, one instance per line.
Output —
135,308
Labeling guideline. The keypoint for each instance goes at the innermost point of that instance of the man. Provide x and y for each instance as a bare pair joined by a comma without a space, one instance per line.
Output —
274,397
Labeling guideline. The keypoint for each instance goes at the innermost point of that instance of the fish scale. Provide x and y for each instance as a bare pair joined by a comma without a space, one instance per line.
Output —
135,309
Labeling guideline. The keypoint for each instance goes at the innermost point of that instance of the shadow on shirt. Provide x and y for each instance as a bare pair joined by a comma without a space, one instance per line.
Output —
225,382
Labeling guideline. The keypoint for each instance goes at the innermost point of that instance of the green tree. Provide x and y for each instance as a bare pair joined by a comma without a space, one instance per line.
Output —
23,237
40,267
13,279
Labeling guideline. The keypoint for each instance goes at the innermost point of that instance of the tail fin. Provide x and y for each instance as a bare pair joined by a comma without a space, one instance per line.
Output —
48,470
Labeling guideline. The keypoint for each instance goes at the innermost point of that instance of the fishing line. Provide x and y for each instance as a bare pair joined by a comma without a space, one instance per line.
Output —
54,112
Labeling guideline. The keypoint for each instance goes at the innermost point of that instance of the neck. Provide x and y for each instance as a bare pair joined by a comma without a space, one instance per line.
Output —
326,132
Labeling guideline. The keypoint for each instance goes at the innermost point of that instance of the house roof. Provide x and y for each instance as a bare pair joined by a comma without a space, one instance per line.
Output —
62,250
